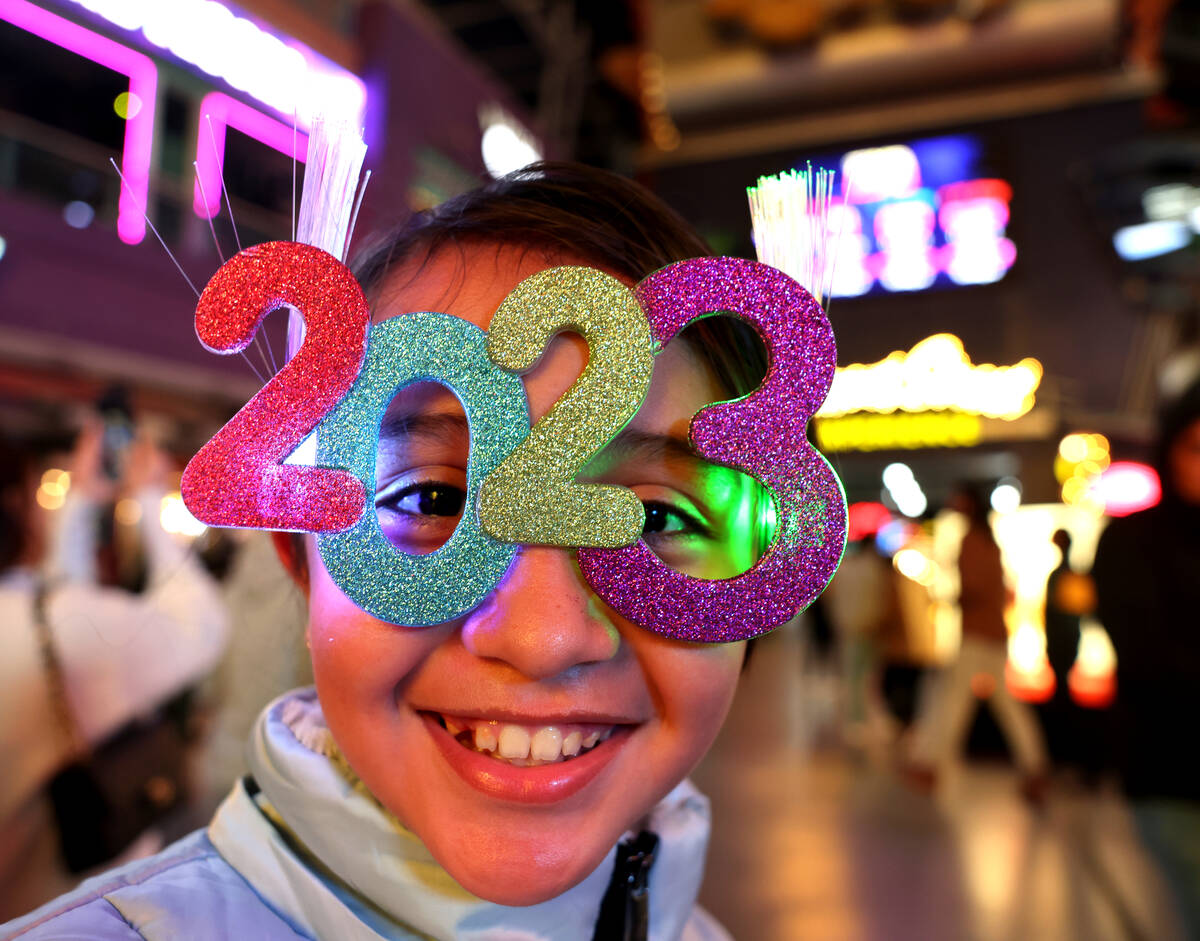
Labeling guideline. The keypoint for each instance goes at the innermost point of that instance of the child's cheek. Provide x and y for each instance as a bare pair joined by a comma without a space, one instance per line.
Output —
356,656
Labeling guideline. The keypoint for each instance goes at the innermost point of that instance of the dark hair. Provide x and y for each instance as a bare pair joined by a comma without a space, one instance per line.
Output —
568,208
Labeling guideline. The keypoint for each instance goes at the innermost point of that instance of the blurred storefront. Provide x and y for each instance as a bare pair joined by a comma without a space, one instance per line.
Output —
202,105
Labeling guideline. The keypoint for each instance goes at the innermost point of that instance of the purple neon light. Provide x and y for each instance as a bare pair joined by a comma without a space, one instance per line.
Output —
143,83
222,111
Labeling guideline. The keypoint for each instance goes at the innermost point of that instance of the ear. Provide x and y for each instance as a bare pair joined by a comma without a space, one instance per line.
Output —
290,549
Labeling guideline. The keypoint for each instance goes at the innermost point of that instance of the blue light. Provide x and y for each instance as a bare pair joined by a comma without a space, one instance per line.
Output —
1151,239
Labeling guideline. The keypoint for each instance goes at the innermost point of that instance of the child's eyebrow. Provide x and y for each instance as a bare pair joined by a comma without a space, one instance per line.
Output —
632,444
443,427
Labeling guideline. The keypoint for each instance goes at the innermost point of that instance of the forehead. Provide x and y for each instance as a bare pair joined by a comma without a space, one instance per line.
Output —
470,281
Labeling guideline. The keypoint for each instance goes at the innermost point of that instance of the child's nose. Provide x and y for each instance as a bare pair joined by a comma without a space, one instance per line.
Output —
542,619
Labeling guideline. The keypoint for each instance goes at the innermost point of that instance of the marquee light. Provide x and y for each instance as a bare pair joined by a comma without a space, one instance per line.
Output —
934,374
864,431
221,112
281,73
143,83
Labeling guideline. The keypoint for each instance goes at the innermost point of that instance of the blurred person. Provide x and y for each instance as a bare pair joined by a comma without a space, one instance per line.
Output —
979,668
1147,574
1070,596
863,606
121,655
266,656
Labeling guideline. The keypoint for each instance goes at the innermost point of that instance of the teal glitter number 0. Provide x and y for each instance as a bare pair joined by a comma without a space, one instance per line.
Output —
421,590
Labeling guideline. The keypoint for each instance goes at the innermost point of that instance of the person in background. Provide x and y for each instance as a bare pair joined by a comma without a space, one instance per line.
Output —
1070,596
982,599
1147,574
265,658
862,601
122,655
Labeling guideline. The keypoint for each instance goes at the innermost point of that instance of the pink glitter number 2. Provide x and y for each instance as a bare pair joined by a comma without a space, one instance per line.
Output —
763,434
237,479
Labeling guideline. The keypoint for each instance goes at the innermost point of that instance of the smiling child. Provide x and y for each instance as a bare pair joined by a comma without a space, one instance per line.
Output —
498,775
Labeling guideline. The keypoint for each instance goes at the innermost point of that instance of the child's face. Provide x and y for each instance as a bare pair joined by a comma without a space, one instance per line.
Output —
542,652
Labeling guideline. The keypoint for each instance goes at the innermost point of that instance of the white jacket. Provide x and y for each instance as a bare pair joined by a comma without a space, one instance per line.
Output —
314,856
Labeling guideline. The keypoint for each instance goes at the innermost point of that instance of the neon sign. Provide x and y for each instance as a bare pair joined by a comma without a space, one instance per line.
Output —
220,111
143,84
912,216
935,374
278,71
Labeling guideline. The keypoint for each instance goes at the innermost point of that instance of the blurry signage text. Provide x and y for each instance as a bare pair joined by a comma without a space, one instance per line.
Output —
935,374
918,214
867,432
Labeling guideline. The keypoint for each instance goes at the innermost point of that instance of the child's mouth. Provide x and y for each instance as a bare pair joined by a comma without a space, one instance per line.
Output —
526,746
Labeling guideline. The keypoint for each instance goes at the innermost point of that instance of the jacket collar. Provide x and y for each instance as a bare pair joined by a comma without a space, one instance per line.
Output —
324,854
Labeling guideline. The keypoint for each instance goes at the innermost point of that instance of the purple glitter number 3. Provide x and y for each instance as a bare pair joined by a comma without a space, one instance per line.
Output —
762,434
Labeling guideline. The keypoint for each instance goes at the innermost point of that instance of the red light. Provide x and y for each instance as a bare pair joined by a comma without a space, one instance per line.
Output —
1033,687
1126,487
976,189
1092,691
865,519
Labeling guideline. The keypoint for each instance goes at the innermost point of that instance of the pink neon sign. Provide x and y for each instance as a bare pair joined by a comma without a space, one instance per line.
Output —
143,82
220,111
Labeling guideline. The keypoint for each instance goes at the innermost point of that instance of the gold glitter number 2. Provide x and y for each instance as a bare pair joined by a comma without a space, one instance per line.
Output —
532,497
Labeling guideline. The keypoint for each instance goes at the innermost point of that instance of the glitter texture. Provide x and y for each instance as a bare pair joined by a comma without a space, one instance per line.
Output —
237,478
762,434
532,497
420,590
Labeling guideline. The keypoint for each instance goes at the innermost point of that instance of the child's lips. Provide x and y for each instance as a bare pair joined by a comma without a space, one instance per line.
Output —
526,762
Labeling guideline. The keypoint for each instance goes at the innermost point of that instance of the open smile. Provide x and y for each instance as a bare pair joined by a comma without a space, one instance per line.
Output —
526,762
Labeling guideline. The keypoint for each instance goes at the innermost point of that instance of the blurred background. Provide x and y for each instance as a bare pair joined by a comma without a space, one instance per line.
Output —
1016,301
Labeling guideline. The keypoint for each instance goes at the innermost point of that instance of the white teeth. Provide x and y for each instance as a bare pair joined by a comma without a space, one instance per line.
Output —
485,738
546,744
524,744
514,742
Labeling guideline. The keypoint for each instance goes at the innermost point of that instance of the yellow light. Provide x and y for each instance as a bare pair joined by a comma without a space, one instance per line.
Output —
1095,656
1027,649
127,105
1074,489
868,432
935,374
1074,448
175,518
50,499
128,512
915,565
1098,448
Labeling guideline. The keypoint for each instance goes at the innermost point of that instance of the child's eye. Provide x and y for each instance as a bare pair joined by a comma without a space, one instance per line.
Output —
663,519
427,498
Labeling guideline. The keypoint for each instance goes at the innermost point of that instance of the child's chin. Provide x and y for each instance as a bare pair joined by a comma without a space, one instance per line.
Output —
510,875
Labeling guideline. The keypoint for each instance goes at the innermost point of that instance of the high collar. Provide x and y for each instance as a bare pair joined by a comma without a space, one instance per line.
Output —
339,865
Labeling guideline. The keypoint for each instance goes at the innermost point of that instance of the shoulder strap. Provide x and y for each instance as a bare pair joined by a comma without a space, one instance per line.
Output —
55,676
